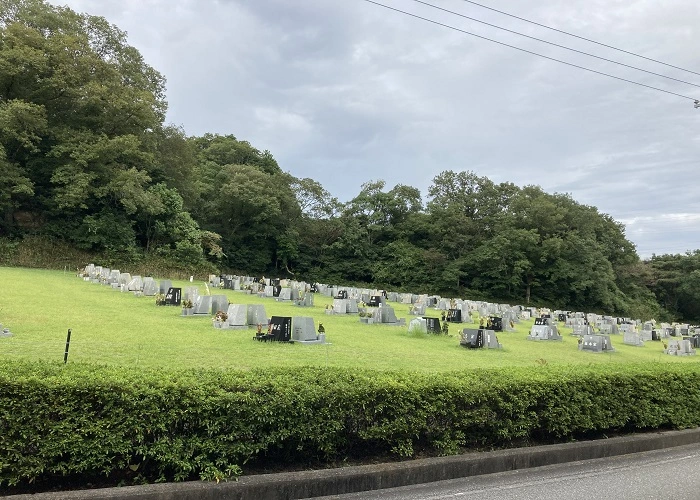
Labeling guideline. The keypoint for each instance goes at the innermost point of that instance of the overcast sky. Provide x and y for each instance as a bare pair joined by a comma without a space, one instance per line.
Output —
344,91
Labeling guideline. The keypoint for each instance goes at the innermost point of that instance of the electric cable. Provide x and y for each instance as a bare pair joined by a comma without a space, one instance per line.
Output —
580,37
555,44
696,101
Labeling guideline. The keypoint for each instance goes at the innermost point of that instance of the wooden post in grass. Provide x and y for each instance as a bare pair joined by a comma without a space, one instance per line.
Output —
65,354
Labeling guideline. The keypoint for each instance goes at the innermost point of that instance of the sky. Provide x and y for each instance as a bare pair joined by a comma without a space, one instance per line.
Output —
346,91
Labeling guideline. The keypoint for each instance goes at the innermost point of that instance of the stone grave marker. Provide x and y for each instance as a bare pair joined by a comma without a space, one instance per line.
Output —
202,305
417,309
678,347
375,301
281,328
285,294
303,329
191,293
149,287
164,286
340,306
491,341
124,278
136,284
454,316
418,325
432,325
173,297
306,301
595,343
256,315
632,338
219,303
351,306
237,316
581,329
543,329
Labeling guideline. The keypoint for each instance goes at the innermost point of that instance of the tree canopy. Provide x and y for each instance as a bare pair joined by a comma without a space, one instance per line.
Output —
85,156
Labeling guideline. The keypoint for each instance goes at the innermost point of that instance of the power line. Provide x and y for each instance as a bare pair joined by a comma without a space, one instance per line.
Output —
580,37
696,101
555,44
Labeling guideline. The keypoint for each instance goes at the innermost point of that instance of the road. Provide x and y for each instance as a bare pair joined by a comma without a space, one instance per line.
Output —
671,473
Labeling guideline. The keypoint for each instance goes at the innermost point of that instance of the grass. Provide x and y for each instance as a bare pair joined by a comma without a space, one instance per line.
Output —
113,328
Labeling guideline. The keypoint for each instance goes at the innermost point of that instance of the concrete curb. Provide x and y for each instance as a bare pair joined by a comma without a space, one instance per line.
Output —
327,482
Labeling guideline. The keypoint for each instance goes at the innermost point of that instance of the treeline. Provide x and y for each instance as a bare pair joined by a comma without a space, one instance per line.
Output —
86,158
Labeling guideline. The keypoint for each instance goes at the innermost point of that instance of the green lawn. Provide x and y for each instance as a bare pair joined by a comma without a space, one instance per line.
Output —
110,327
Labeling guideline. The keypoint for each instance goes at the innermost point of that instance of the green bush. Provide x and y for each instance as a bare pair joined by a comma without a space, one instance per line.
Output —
110,425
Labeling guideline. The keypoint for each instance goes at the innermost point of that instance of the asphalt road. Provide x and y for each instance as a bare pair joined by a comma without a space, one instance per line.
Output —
671,474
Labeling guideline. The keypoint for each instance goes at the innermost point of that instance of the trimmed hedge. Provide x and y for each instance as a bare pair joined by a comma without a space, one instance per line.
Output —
64,423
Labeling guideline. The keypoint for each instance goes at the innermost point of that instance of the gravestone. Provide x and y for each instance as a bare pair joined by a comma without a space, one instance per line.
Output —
417,309
454,316
269,291
285,294
191,293
678,347
543,329
303,329
340,306
476,339
432,325
281,328
582,329
385,315
149,287
237,316
124,278
417,325
164,286
202,305
351,306
306,301
173,296
472,338
256,315
375,301
219,303
632,338
595,343
496,323
491,341
135,285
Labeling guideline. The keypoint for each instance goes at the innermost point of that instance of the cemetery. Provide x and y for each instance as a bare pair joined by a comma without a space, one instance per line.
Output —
237,347
360,335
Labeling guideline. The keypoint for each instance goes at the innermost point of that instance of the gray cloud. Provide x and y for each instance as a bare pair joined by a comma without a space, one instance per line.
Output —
345,92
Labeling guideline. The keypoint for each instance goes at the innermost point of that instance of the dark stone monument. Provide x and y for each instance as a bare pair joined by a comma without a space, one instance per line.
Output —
280,330
433,325
173,297
375,300
454,316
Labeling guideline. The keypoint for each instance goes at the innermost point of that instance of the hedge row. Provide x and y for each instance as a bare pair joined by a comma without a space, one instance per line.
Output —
116,425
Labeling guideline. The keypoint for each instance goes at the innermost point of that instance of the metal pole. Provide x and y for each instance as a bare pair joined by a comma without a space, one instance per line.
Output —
65,355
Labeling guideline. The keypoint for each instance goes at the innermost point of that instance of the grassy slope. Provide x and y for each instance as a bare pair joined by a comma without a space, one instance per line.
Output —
110,327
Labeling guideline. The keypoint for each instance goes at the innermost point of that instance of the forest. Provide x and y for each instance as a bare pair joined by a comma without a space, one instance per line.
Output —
87,158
